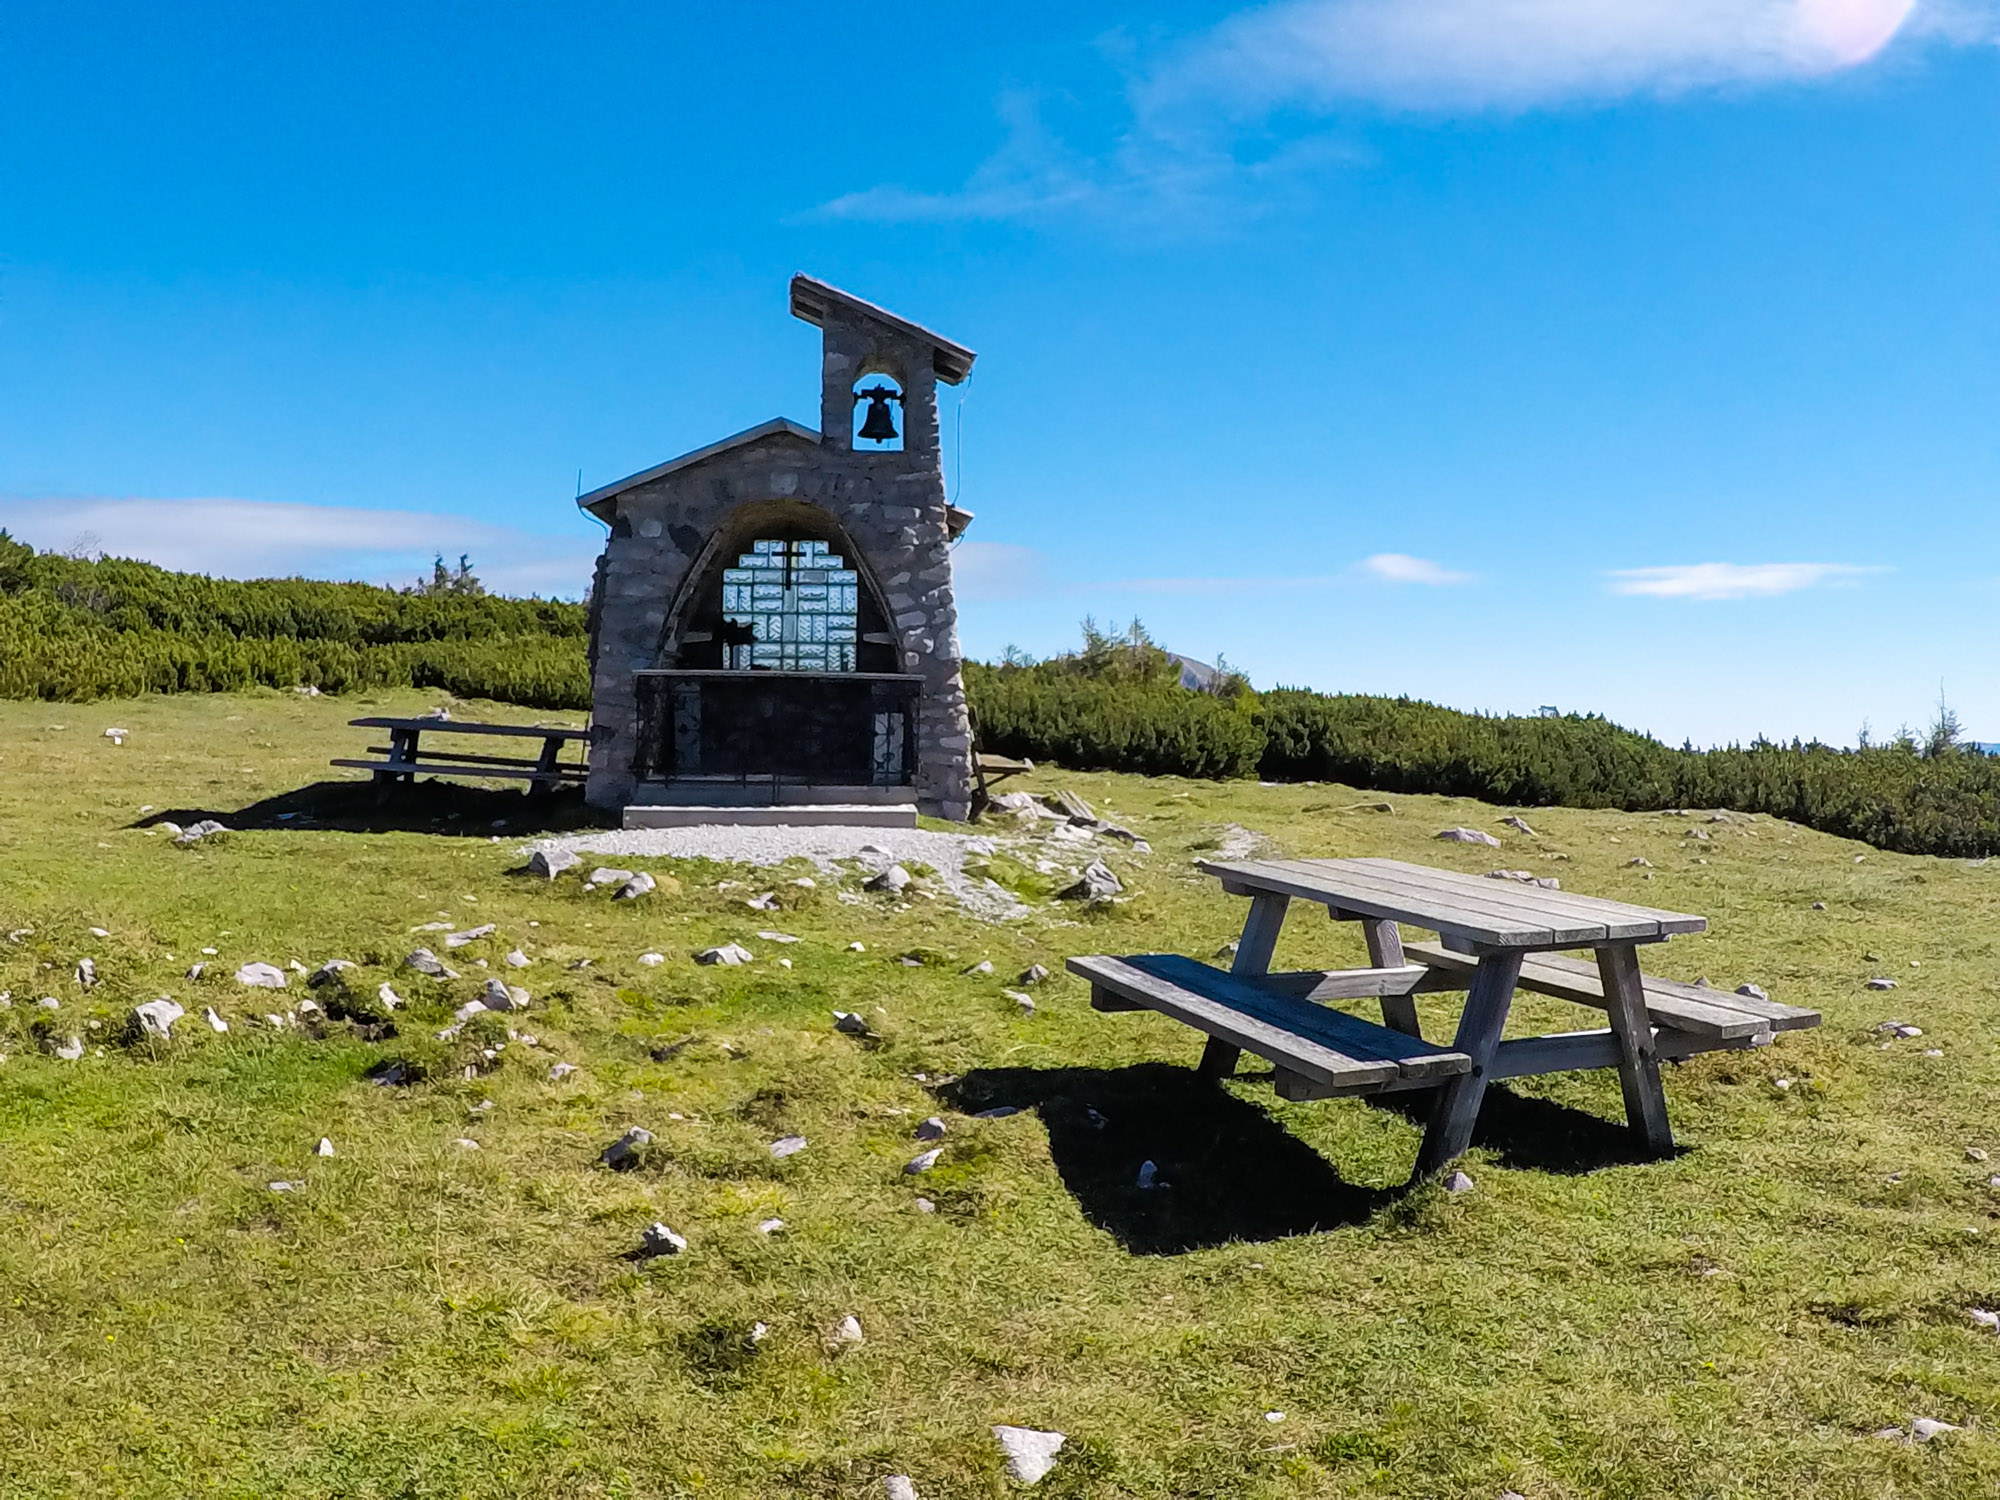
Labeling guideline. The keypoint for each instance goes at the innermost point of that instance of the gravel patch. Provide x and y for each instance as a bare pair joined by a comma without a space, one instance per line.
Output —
828,848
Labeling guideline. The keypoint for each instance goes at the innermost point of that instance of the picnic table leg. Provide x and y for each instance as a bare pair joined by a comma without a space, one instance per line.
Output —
1639,1061
1253,956
402,751
1385,951
545,767
1457,1111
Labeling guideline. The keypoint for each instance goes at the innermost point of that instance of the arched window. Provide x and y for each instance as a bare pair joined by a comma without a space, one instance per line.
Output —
789,606
878,415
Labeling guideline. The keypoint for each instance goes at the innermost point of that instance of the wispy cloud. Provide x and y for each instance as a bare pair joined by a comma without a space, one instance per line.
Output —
1198,118
991,572
1477,54
1732,580
262,539
1400,567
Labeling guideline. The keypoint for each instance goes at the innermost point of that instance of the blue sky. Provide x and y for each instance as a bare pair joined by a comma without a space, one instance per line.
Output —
1631,355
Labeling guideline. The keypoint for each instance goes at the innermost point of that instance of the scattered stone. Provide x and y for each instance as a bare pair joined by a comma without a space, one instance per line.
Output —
1782,1085
499,995
1819,906
324,1148
466,1143
1033,974
770,1226
922,1162
729,955
282,1186
847,1333
1984,1319
659,1240
1881,984
549,863
1030,1454
1228,949
559,1071
194,833
1123,835
116,736
1274,1416
925,1206
1468,836
1923,1429
262,976
787,1145
69,1049
327,973
984,966
1639,862
1871,958
1973,1153
423,961
624,1153
1149,1176
604,875
895,878
639,885
651,960
931,1130
898,1487
776,937
195,971
296,967
156,1017
215,1022
1458,1182
49,1002
100,932
86,974
1021,998
1519,825
849,1024
470,935
768,901
1753,991
1096,883
856,948
388,996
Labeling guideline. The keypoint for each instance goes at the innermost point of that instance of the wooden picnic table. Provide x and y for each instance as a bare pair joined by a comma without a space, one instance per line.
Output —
1496,936
406,757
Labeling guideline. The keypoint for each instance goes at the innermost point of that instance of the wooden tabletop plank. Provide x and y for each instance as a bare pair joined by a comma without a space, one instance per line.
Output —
453,726
1573,903
1529,905
1454,920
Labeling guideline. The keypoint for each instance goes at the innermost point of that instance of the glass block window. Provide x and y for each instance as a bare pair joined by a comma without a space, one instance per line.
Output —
799,600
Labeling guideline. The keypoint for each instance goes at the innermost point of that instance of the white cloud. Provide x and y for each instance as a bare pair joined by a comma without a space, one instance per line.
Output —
264,539
1448,54
1731,580
1398,567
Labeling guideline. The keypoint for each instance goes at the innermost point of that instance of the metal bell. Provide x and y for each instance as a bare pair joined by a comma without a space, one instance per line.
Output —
879,426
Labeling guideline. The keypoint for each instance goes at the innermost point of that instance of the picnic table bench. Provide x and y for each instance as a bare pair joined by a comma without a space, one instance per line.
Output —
406,756
1495,937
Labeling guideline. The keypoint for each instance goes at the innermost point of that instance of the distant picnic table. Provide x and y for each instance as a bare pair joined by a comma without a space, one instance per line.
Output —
1496,936
406,756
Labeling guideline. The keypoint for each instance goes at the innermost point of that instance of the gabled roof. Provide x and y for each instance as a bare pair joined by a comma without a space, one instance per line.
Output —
811,299
776,427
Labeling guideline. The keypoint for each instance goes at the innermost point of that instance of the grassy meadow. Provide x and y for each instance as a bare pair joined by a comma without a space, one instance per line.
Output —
422,1318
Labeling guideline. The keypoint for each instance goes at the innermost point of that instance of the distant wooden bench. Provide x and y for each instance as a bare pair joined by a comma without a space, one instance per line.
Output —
406,757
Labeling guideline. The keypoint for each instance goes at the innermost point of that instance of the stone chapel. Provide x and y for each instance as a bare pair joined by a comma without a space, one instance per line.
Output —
772,632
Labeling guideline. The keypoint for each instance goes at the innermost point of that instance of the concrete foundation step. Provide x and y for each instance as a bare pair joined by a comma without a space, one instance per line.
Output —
801,815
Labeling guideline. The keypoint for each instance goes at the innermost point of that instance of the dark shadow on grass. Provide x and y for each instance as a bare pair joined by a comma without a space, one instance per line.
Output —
1537,1135
433,806
1234,1173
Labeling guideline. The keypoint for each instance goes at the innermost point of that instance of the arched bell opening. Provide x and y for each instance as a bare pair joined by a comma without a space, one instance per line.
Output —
878,417
780,586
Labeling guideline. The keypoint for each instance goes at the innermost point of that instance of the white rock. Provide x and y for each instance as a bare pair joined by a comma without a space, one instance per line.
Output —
1984,1318
1096,883
856,948
466,1143
423,961
895,878
623,1153
984,966
1275,1416
1753,991
776,937
898,1487
388,996
282,1186
1640,862
847,1332
1033,974
931,1130
116,736
922,1162
806,883
516,959
1025,1001
603,875
1974,1153
549,863
1468,836
1458,1182
295,966
639,885
1519,825
1881,984
157,1017
1030,1454
327,973
559,1071
784,963
766,902
850,1024
1926,1428
787,1145
925,1206
262,976
215,1022
660,1240
195,971
49,1002
70,1049
770,1226
729,955
650,960
470,935
105,932
86,974
324,1148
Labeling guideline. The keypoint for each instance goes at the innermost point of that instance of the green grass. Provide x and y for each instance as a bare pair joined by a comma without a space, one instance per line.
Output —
424,1320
